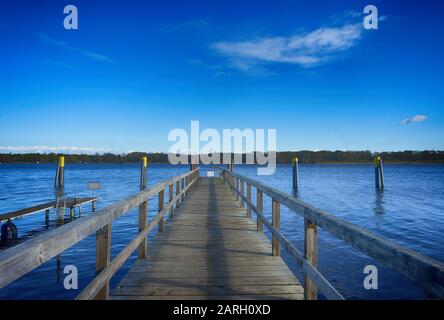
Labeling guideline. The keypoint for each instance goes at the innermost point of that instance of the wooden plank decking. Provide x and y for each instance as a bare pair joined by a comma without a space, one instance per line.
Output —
210,250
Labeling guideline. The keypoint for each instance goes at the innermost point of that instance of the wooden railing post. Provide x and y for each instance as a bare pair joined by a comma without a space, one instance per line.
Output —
249,200
170,198
242,190
260,208
143,209
182,186
237,187
177,192
160,201
103,253
311,254
276,216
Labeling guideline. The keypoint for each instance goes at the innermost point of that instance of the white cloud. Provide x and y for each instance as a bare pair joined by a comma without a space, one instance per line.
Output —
417,118
47,149
96,56
307,49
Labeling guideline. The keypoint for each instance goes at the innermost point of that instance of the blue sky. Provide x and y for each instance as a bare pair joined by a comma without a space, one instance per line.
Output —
134,70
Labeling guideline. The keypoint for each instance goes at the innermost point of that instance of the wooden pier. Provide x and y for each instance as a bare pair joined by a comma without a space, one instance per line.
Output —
69,203
208,246
210,250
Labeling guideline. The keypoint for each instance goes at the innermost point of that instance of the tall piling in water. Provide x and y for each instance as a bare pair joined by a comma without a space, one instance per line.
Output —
379,173
295,167
143,165
59,185
60,174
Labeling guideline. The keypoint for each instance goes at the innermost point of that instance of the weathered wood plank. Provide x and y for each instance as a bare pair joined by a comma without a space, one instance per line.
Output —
210,250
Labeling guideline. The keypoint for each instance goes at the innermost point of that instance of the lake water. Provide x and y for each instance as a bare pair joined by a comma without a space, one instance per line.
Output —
409,211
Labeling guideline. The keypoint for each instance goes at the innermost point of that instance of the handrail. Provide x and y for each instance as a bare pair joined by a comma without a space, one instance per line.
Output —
326,288
426,271
23,258
100,280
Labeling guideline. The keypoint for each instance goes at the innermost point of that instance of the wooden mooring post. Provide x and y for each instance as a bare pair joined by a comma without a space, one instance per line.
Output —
60,173
295,167
379,173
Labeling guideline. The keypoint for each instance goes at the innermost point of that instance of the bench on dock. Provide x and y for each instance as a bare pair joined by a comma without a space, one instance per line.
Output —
211,248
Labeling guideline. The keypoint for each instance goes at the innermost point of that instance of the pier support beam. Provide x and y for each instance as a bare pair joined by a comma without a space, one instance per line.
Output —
379,173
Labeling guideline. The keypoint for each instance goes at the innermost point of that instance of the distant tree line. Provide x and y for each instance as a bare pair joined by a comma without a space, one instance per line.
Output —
304,156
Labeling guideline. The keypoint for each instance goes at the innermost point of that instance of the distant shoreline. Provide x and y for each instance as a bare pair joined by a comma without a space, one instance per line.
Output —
244,164
282,157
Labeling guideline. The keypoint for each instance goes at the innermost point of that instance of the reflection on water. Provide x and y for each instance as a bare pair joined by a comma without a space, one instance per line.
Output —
379,201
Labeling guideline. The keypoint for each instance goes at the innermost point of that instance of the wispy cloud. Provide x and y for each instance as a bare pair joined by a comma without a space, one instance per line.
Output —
417,118
307,50
47,149
96,56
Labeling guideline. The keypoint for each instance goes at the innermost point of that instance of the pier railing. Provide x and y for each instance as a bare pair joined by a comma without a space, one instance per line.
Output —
425,271
23,258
